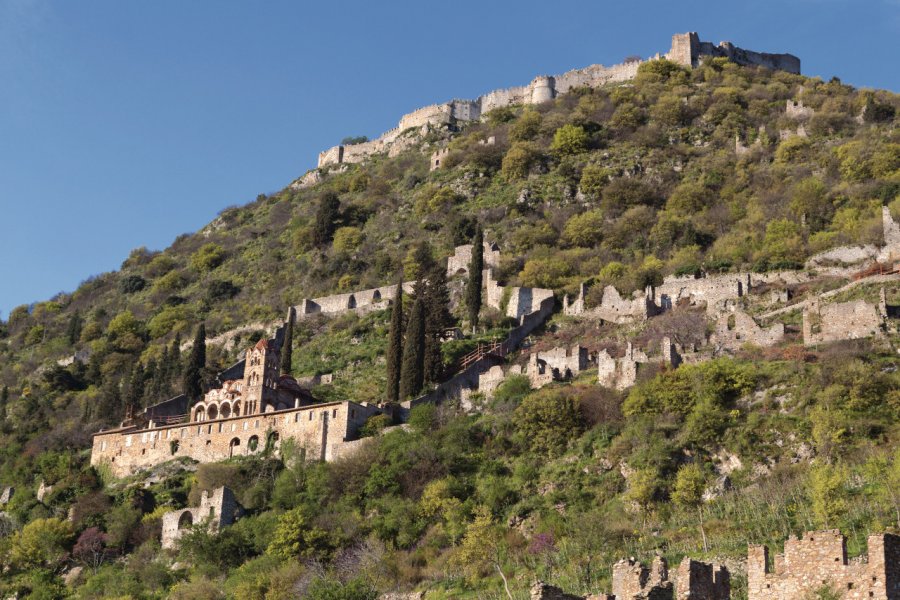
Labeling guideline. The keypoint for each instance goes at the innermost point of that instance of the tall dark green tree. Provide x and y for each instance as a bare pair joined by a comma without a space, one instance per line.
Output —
134,392
395,346
475,283
4,400
412,370
73,332
287,347
326,218
193,371
437,320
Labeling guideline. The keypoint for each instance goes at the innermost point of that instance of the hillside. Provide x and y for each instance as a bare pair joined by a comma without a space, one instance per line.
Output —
718,170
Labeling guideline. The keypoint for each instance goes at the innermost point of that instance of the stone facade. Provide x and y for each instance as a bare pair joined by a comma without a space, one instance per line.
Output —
621,373
217,509
319,430
633,581
686,49
361,302
695,580
458,262
737,328
840,321
820,559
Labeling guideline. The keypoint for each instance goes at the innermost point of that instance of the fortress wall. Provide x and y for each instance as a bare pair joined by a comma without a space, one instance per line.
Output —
361,301
319,429
840,321
820,557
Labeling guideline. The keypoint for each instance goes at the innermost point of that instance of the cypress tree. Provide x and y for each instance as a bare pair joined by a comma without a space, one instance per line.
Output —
135,391
4,399
437,319
475,283
73,333
287,346
326,216
412,368
193,373
395,346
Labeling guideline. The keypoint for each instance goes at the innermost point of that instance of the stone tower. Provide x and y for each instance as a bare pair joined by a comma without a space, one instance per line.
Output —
260,377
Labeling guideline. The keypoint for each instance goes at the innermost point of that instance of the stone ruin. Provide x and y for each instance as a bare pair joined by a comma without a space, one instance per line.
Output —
458,262
7,495
738,328
217,509
686,49
692,580
841,321
819,560
621,373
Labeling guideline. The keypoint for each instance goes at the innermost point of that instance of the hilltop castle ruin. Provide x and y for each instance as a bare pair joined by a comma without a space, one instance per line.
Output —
687,50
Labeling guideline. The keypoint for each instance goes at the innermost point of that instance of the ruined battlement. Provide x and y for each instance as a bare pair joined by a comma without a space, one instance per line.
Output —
217,509
819,559
686,49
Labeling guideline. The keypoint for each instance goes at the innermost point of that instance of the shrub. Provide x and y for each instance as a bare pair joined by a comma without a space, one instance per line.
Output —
569,140
221,290
584,230
347,239
593,179
208,257
547,420
526,127
41,543
131,284
519,160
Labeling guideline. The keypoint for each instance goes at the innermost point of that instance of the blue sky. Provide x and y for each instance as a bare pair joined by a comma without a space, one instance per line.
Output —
126,123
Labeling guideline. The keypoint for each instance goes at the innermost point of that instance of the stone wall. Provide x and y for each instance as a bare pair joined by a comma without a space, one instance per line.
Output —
467,380
362,301
711,290
633,581
615,308
7,495
737,328
820,558
319,431
686,49
458,262
217,509
621,373
840,321
695,580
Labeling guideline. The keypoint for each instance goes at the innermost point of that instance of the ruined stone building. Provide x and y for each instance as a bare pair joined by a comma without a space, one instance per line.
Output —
458,262
819,560
735,329
840,321
622,372
692,580
217,510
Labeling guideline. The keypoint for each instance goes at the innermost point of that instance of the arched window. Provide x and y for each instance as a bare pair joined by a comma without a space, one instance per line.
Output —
232,445
253,443
236,411
225,410
212,412
351,301
376,297
200,414
185,520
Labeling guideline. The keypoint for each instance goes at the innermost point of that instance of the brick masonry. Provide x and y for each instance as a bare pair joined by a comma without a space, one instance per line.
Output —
820,559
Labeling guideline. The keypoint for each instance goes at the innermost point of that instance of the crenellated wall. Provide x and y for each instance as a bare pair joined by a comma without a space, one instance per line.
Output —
820,559
686,49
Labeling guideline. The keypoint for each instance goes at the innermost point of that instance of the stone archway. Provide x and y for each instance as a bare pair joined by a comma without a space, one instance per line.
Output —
234,443
212,412
225,410
200,413
185,520
236,411
351,301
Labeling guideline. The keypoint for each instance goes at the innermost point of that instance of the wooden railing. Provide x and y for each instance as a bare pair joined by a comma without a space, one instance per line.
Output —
170,420
496,348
